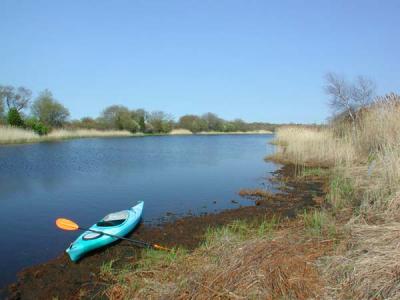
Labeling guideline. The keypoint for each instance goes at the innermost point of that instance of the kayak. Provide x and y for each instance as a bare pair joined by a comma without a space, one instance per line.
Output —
118,223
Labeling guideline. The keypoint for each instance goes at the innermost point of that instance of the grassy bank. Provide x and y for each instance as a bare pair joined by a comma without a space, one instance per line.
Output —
271,259
234,132
14,135
364,161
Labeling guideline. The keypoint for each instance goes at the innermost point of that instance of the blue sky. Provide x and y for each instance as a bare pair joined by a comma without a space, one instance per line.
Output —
256,60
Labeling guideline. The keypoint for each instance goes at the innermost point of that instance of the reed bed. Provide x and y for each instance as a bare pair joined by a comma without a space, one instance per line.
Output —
13,135
82,133
180,131
234,132
312,147
365,157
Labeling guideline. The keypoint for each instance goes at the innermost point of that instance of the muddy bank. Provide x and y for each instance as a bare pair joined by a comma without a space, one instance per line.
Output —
65,280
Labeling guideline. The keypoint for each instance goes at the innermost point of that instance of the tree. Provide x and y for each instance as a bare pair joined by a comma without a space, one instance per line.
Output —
126,122
214,123
139,115
15,98
345,97
119,117
87,122
193,123
48,110
110,115
363,91
239,125
229,127
14,118
159,121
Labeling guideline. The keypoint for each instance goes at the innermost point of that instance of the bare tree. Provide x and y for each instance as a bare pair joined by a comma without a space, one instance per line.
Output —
15,98
6,94
346,97
363,91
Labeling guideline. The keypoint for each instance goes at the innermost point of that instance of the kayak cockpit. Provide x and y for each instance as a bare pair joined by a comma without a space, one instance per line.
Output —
114,219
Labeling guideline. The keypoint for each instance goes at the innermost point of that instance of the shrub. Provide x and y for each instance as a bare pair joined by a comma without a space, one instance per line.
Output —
37,126
14,118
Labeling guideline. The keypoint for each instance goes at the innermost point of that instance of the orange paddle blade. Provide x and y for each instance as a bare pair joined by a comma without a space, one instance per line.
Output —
66,224
161,247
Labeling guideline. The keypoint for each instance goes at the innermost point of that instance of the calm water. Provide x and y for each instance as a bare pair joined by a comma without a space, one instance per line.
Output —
88,178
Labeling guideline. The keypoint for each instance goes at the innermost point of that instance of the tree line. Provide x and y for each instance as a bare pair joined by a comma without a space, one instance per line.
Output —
42,114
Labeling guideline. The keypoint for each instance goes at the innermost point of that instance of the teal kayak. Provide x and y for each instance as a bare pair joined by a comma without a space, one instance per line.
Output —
118,223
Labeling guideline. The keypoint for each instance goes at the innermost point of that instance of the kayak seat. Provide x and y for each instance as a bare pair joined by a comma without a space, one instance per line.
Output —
121,215
91,236
114,219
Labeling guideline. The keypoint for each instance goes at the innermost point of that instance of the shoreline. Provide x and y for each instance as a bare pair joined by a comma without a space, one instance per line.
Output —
82,134
59,274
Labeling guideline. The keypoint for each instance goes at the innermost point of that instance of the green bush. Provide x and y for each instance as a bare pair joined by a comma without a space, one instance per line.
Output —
37,126
14,118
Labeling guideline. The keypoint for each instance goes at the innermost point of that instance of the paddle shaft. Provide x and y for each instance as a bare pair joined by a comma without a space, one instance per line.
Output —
137,242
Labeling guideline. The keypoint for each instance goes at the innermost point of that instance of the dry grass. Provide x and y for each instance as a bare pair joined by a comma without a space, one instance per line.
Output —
370,268
13,135
311,147
234,132
366,161
180,131
82,133
235,262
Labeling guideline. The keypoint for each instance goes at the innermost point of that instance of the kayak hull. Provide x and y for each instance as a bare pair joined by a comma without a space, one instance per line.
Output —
81,246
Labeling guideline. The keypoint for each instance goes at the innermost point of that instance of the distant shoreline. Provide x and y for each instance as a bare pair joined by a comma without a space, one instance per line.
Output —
187,132
15,136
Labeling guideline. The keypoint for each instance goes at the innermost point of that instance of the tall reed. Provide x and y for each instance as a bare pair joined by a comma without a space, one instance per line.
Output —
10,135
366,159
13,135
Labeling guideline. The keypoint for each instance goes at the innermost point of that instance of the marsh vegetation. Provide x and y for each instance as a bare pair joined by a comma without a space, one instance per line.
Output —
45,118
363,156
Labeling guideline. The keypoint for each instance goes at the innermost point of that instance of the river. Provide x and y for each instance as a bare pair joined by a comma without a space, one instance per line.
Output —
85,179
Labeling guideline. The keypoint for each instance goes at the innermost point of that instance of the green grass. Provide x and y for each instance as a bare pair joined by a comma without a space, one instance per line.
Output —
306,172
342,193
150,257
240,230
267,226
107,270
318,223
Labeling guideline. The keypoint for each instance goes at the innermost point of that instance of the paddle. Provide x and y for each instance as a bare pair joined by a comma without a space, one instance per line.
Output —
69,225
